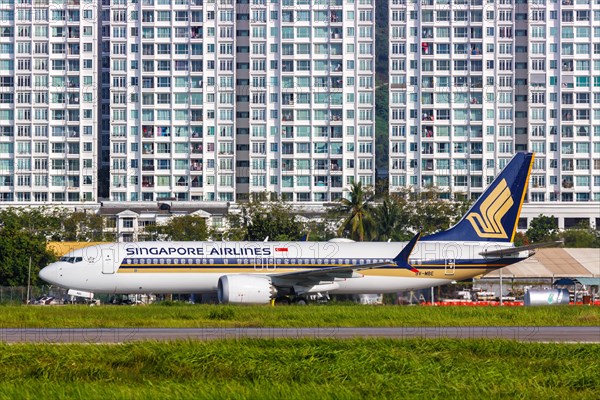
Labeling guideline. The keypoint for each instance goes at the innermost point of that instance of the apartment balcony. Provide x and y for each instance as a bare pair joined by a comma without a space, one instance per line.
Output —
335,132
335,116
427,48
148,148
336,66
427,165
195,66
197,182
196,148
427,132
335,16
196,165
182,181
147,165
196,116
73,49
287,66
336,82
73,99
163,131
320,181
147,131
73,16
196,132
73,33
567,132
196,32
336,166
427,115
567,184
148,182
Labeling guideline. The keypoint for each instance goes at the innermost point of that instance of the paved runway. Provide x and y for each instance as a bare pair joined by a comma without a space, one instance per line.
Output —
123,335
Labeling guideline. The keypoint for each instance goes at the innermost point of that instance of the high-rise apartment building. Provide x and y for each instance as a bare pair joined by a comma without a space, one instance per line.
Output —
216,100
186,100
473,81
564,100
48,94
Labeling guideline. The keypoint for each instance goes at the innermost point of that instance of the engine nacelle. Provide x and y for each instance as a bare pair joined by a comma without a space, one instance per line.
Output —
245,289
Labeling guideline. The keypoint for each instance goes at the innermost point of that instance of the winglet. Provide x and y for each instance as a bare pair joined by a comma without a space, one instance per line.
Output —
402,258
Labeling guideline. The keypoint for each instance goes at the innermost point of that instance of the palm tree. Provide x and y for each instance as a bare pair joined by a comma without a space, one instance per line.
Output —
391,220
358,221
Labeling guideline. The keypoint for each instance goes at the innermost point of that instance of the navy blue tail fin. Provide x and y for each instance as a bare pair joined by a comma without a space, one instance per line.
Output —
495,215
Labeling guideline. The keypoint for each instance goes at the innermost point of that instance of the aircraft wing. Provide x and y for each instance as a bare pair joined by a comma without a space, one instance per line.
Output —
515,250
349,271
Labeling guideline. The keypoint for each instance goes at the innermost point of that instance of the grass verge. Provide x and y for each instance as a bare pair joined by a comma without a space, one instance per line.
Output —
213,316
306,368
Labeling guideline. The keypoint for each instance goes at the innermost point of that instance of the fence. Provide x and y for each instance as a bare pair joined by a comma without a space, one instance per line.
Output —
18,294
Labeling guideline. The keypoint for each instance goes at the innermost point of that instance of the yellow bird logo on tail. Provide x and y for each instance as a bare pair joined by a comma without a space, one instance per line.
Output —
488,222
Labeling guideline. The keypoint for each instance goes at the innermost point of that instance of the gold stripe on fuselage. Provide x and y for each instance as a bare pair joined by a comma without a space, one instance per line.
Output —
458,273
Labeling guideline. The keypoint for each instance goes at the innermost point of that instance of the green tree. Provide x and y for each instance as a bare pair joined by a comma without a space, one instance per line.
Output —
392,219
320,230
431,213
23,234
259,220
358,221
542,229
42,221
521,239
81,227
182,228
459,208
581,236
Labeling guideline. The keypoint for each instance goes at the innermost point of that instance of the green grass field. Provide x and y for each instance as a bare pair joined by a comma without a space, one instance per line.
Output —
197,316
302,369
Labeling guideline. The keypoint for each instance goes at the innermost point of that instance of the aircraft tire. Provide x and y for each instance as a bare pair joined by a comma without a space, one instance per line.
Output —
282,301
302,301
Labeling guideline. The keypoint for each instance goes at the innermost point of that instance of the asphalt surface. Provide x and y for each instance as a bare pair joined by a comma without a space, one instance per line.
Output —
123,335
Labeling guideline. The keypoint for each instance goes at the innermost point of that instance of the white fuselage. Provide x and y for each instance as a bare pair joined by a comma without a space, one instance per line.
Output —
195,267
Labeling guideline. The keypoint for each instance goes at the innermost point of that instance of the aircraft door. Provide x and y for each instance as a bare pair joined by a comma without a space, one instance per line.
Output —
450,266
108,261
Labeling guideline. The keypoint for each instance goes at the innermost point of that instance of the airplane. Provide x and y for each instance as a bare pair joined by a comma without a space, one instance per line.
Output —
261,272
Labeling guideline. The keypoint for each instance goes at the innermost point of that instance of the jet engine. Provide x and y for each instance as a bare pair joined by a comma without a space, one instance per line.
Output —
245,289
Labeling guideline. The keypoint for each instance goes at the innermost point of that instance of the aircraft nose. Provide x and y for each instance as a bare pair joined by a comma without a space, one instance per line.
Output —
49,273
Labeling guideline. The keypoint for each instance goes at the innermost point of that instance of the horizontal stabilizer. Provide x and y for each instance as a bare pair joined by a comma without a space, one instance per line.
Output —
516,250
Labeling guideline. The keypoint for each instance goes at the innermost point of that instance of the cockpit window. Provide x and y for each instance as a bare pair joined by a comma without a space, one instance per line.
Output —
71,260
